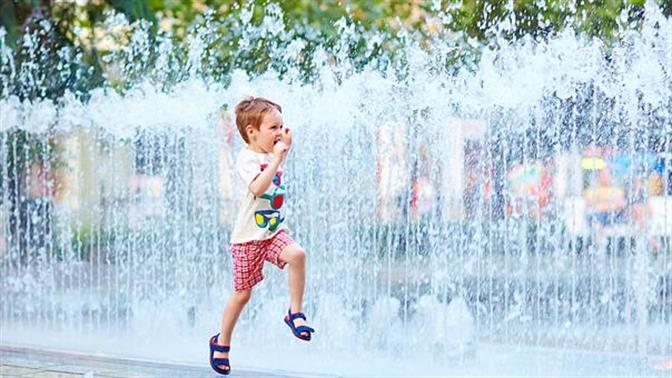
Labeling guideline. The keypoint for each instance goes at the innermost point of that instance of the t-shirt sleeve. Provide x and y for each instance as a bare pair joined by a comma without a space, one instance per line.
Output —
248,168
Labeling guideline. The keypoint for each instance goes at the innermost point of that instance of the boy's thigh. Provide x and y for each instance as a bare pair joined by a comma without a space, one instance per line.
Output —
281,249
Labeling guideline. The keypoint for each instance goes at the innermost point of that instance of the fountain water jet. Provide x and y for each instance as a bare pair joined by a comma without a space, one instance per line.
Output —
446,216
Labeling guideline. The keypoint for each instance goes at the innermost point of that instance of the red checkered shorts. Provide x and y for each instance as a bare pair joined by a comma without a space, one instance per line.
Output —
248,259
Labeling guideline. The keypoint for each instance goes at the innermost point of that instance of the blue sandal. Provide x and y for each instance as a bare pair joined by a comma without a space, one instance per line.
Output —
289,320
216,362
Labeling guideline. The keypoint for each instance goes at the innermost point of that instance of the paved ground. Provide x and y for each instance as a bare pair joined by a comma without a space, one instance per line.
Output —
34,363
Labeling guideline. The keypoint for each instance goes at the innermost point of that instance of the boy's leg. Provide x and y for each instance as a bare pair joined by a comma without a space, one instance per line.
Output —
230,316
231,313
295,257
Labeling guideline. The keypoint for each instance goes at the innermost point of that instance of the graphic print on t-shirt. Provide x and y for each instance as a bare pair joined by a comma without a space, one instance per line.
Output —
271,219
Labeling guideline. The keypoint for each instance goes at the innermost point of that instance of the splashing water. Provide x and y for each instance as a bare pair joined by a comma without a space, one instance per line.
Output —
453,220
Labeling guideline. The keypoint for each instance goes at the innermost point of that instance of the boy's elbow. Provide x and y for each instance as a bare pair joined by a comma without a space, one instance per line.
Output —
256,191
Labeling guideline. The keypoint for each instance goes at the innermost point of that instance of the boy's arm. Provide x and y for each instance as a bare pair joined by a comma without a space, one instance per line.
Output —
260,184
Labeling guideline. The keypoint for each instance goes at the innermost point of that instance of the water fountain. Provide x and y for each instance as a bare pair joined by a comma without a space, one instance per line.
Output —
446,214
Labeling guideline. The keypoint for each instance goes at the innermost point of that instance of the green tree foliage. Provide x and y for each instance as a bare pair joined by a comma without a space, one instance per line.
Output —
85,27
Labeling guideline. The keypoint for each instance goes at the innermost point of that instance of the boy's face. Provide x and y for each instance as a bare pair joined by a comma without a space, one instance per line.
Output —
269,133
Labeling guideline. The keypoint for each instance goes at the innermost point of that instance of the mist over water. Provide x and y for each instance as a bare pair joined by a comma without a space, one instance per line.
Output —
447,213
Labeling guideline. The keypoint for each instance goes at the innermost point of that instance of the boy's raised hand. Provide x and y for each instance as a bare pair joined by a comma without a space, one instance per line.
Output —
287,137
280,151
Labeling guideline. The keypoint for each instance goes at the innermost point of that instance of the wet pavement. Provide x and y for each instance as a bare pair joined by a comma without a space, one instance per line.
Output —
34,363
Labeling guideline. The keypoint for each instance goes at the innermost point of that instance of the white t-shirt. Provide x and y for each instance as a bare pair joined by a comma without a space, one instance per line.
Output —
259,218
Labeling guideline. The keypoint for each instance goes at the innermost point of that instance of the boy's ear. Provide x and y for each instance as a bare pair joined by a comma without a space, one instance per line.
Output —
249,130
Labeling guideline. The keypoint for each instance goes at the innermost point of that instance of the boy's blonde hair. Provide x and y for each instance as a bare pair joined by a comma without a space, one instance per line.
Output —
251,111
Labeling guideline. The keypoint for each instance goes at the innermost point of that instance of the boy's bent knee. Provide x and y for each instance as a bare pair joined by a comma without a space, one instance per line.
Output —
296,254
242,296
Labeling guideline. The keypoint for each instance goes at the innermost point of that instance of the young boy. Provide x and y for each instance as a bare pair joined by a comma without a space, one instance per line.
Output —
260,232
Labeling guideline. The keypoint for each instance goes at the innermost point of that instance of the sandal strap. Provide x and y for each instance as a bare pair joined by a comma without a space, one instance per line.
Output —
220,348
298,315
300,329
217,347
220,361
220,370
